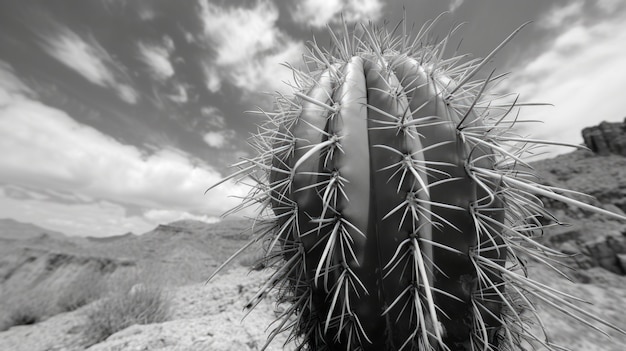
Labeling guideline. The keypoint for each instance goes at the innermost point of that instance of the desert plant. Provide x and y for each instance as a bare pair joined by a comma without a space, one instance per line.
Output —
139,304
87,286
24,312
26,307
395,205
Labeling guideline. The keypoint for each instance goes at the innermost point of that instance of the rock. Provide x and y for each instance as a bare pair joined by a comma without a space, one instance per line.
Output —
606,138
563,234
603,252
607,251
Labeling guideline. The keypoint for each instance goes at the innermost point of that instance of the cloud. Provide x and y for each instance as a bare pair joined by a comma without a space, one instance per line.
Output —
89,59
213,79
266,73
145,11
11,87
558,15
454,5
248,47
180,95
95,218
64,154
237,32
157,58
609,6
582,73
218,139
168,216
44,148
213,116
319,13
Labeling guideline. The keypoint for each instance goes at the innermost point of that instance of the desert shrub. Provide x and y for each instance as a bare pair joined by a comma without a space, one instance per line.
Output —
139,304
253,260
25,308
86,287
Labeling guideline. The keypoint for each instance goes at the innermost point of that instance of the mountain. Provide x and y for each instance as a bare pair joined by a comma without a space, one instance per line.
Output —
177,253
11,229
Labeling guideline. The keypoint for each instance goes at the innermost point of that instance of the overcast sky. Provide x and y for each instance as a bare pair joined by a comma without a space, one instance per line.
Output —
116,115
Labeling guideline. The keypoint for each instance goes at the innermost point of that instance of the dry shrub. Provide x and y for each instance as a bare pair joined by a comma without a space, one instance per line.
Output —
253,260
87,286
138,304
26,307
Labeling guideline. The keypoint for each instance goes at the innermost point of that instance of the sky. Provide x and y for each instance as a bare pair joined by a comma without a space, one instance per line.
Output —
117,115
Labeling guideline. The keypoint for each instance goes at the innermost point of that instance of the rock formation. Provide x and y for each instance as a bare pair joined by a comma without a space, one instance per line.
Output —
605,250
606,138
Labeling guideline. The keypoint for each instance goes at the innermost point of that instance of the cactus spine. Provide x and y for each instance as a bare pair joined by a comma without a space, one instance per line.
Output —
396,205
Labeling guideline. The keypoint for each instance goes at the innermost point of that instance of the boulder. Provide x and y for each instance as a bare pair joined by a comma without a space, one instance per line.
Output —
606,138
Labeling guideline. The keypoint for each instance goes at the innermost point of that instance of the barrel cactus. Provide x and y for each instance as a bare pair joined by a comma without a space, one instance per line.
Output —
395,207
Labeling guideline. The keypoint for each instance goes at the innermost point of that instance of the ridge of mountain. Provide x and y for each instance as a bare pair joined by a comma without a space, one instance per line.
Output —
11,229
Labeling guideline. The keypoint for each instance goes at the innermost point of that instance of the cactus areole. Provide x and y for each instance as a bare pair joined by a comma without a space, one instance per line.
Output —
397,204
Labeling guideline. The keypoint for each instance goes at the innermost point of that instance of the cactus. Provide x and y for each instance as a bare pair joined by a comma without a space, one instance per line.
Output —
395,205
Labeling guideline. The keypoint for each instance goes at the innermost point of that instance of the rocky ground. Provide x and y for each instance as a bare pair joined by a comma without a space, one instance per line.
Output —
203,317
209,316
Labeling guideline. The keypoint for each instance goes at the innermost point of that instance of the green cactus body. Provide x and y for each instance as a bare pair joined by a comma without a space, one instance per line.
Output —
396,209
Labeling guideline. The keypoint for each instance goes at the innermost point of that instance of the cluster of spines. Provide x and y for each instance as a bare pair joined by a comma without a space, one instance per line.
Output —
311,248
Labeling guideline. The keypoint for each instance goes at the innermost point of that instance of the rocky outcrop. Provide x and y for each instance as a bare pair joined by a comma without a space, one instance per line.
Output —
606,138
606,251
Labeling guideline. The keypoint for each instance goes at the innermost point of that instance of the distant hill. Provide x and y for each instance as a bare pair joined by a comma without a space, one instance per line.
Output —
177,253
15,230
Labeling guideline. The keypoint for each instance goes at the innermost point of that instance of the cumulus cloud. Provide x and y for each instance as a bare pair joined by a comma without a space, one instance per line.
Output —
218,139
319,13
237,31
248,47
157,58
266,73
65,154
213,80
582,73
44,148
89,59
94,218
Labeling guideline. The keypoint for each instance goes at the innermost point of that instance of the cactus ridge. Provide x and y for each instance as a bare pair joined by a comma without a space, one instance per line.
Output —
395,205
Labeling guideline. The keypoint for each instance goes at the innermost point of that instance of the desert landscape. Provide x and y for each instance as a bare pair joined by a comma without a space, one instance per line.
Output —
128,128
148,291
